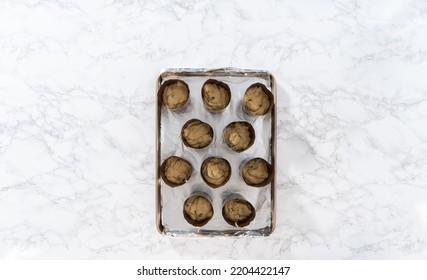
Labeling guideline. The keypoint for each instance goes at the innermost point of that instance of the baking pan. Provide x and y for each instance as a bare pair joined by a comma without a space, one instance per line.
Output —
169,200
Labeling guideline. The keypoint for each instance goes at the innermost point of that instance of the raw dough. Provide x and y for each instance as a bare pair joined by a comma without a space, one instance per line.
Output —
177,170
215,97
216,171
198,208
255,171
256,101
197,134
238,136
175,95
237,210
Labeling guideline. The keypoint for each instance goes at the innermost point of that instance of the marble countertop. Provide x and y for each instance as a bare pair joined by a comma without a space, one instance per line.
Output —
77,107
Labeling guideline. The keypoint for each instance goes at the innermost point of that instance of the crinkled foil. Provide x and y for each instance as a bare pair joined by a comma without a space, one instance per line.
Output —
170,219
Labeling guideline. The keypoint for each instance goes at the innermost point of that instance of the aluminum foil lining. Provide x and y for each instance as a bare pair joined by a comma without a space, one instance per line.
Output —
170,219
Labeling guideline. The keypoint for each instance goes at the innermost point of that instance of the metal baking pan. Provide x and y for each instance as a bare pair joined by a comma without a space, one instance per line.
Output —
169,201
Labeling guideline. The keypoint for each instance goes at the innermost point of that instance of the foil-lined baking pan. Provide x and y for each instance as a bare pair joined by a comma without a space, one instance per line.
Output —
169,200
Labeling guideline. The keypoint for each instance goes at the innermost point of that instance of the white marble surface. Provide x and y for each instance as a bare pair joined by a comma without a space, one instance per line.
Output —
77,83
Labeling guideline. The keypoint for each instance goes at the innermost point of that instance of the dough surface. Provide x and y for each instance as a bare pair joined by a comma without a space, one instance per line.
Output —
237,210
215,171
255,171
198,208
215,97
238,136
175,95
177,170
256,101
197,134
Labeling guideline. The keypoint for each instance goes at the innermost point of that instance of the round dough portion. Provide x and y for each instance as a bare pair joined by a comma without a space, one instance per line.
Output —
255,171
198,208
197,134
256,101
177,170
215,97
216,171
237,210
175,95
238,136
